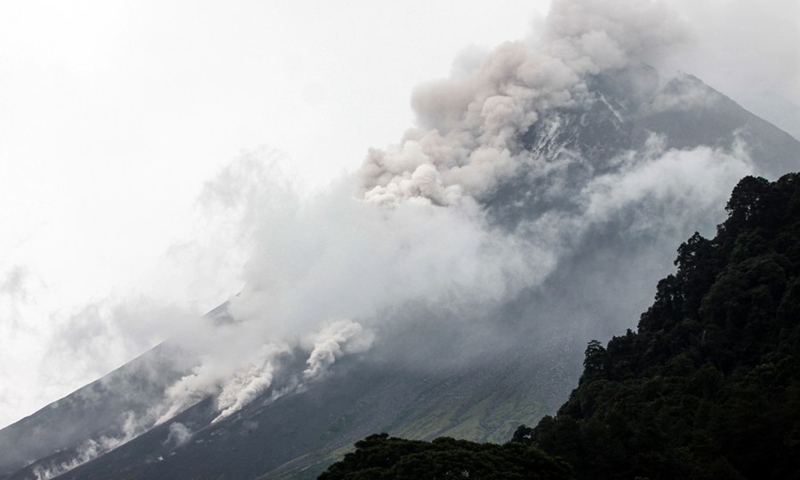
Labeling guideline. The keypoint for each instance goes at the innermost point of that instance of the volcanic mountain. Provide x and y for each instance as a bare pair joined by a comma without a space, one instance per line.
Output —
599,191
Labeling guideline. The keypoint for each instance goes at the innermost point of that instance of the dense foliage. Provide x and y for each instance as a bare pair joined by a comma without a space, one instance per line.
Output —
709,386
380,457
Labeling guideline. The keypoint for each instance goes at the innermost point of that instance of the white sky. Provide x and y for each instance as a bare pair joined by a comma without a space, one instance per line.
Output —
113,114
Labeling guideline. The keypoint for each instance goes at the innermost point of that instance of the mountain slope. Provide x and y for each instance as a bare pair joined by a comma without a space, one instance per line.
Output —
92,412
353,401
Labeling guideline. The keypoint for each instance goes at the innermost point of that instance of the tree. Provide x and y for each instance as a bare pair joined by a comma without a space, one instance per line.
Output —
381,457
709,385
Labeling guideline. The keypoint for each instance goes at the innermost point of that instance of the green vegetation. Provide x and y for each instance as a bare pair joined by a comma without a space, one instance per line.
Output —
707,388
380,457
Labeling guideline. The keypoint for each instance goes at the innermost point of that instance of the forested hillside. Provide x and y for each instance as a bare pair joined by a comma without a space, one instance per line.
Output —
708,387
380,457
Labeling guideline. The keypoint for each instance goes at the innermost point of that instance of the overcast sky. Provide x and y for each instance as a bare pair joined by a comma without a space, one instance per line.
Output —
114,114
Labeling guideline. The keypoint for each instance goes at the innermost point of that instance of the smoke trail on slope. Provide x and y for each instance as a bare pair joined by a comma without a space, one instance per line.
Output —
91,449
319,273
339,338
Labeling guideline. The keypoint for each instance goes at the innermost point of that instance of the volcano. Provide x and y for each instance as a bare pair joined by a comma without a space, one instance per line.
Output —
593,189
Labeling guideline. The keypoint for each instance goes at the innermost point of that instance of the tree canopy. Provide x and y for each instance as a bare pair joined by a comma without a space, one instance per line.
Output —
380,457
709,385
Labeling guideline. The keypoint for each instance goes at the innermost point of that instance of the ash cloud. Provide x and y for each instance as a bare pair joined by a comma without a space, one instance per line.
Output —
469,139
595,35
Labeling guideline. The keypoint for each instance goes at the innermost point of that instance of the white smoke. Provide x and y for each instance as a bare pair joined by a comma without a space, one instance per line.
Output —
179,434
596,35
469,138
245,385
339,338
471,128
680,184
329,257
234,364
91,449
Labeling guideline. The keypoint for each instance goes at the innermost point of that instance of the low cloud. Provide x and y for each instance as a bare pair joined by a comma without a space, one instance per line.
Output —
179,434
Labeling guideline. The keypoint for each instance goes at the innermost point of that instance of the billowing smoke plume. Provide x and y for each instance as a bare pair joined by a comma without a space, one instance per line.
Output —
471,126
